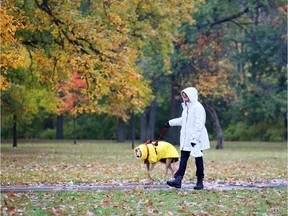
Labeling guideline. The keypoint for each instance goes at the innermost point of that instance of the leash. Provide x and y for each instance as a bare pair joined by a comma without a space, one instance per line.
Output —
160,136
156,142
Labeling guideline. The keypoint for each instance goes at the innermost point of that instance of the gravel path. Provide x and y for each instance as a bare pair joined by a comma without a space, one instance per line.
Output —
218,185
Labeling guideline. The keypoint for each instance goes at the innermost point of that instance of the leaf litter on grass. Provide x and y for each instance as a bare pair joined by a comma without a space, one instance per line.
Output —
113,163
143,202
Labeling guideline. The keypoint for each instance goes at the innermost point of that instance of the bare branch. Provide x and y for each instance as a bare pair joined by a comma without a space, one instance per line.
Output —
232,17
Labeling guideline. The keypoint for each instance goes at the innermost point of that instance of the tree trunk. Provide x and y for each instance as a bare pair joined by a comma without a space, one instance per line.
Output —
48,122
121,131
216,123
175,102
143,123
14,130
74,130
59,127
151,125
132,129
175,111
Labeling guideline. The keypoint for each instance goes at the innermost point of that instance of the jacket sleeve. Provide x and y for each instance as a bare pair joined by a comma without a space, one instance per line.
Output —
176,122
197,128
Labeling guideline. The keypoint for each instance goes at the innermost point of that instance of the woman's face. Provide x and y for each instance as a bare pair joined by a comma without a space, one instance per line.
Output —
185,97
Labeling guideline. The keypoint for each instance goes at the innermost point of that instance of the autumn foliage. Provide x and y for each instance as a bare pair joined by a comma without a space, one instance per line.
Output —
11,49
73,92
100,40
211,71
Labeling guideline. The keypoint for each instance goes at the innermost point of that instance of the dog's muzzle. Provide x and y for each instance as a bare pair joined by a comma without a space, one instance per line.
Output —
138,153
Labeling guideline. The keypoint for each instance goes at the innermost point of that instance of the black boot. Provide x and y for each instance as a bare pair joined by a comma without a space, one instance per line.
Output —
176,182
199,185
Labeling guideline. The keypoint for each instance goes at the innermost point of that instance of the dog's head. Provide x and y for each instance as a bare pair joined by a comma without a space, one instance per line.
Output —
140,152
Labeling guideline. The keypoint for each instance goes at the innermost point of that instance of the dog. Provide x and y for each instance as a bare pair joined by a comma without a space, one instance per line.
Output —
151,153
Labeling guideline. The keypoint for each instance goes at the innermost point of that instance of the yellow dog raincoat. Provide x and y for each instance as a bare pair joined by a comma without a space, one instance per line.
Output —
159,153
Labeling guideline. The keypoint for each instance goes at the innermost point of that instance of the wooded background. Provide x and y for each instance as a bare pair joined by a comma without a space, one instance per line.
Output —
105,69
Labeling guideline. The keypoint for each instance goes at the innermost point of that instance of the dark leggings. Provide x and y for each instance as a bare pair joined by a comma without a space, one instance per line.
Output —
183,164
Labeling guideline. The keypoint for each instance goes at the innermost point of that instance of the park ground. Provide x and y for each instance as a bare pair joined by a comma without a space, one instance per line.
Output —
104,178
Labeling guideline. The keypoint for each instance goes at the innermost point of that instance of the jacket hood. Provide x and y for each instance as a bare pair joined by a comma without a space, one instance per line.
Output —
143,150
192,93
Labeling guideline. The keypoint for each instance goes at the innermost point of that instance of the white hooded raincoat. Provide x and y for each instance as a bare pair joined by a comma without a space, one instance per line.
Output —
192,124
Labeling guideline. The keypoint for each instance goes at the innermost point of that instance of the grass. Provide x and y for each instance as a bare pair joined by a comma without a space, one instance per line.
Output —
143,202
92,162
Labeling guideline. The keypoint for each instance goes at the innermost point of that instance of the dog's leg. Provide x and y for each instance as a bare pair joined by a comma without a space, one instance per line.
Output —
171,170
149,179
168,166
149,170
152,167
